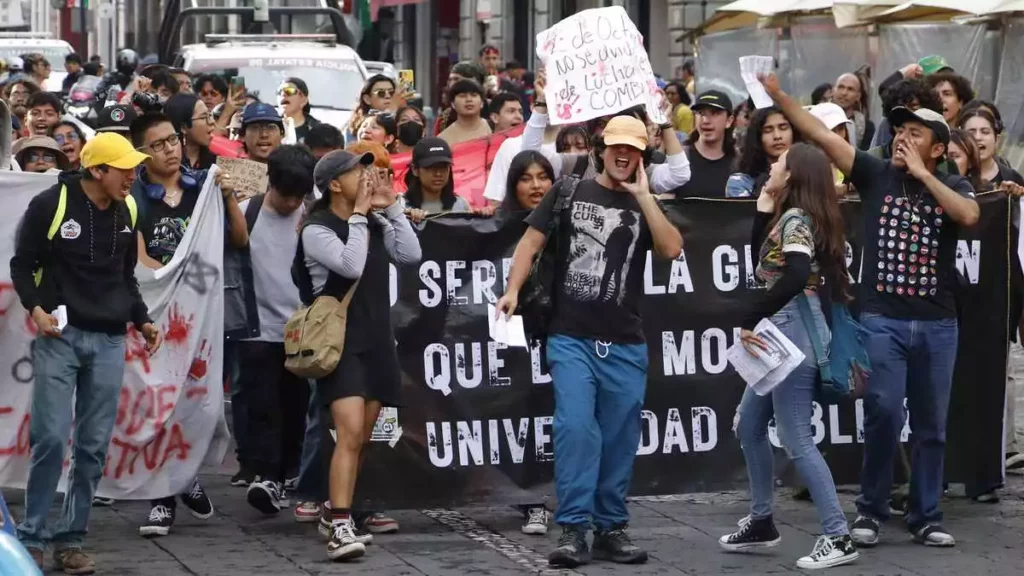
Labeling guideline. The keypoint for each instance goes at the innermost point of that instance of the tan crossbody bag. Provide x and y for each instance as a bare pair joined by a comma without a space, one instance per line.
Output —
314,336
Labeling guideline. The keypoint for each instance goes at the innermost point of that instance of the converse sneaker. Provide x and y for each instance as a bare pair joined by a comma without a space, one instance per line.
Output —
536,522
307,511
379,523
362,536
864,532
933,535
572,550
343,544
161,518
243,478
1015,463
197,502
760,533
265,496
829,551
73,561
615,545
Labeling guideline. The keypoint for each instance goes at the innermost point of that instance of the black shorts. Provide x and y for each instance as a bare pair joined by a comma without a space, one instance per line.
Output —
373,374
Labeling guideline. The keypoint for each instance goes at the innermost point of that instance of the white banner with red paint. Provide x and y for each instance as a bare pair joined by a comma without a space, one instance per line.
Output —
170,417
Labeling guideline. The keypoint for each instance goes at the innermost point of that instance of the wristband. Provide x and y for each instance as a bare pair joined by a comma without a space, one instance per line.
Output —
665,126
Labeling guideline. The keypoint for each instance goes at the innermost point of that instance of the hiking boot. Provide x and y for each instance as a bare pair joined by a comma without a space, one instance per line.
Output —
760,533
616,545
197,502
829,551
864,532
73,561
572,550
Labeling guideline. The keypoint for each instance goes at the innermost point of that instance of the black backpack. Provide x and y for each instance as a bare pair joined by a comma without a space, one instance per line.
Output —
537,296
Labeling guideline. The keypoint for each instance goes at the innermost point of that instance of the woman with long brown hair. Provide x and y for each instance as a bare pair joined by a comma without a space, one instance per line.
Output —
963,151
803,255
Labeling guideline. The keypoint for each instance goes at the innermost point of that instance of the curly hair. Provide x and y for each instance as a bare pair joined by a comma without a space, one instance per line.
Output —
961,86
906,92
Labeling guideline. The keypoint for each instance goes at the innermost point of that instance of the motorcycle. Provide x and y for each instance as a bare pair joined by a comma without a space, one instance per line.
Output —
81,101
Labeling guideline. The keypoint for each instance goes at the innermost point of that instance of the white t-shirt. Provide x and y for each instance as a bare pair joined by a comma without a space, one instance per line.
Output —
497,179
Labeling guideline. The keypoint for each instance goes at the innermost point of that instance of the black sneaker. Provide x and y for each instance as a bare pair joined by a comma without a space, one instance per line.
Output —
864,532
102,501
572,550
161,518
243,478
616,546
343,544
1014,463
933,535
362,536
829,551
760,533
196,500
265,496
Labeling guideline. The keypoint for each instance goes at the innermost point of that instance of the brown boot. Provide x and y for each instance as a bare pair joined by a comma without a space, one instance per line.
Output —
37,556
73,561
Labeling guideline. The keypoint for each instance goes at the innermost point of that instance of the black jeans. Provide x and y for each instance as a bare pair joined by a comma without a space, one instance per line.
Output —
276,403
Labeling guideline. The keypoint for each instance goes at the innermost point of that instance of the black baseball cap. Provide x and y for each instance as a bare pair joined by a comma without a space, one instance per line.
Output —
431,151
117,118
713,99
336,163
930,118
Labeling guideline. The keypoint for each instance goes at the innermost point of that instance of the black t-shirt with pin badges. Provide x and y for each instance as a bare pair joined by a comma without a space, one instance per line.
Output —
908,268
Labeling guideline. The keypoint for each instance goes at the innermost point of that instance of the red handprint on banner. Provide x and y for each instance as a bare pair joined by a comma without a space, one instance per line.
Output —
197,371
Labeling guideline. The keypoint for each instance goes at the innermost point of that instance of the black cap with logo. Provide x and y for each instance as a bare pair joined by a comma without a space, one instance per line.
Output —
431,151
713,99
117,118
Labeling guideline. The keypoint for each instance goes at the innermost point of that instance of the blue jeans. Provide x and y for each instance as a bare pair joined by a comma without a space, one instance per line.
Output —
599,391
792,404
86,368
312,475
912,359
239,407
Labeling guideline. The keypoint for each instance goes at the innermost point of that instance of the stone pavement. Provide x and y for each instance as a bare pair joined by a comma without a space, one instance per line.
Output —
680,532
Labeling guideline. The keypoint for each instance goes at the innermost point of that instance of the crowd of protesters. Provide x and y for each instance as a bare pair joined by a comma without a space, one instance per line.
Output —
331,222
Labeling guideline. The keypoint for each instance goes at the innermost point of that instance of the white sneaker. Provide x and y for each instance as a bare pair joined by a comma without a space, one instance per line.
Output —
265,496
343,544
829,551
536,521
934,535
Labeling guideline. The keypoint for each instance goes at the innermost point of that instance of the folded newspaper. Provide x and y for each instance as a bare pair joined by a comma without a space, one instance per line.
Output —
764,371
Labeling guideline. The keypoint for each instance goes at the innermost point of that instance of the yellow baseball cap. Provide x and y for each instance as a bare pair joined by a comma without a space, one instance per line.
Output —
626,130
112,150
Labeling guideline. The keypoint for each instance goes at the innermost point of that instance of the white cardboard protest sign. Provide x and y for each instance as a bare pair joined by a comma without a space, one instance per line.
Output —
170,417
249,177
596,65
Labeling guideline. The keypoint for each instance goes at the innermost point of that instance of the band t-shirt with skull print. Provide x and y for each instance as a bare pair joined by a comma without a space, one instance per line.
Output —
605,242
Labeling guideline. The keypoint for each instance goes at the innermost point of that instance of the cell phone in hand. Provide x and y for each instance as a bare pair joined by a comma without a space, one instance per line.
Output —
238,84
407,79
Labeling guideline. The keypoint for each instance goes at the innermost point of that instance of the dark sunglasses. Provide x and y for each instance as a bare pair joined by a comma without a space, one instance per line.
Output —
383,93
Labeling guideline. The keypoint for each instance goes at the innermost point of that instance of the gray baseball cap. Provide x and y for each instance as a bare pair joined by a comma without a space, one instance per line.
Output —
335,163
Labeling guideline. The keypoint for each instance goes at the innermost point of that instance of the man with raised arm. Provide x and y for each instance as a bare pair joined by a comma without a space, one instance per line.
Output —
912,214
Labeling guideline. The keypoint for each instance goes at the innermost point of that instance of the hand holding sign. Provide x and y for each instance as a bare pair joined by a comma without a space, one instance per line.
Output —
752,68
596,66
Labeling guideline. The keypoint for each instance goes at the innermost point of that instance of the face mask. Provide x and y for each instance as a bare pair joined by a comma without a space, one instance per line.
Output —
410,133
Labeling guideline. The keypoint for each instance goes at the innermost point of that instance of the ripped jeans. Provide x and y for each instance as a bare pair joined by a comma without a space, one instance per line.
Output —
791,403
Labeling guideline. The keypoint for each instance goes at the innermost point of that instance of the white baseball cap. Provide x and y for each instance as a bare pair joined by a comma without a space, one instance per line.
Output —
831,115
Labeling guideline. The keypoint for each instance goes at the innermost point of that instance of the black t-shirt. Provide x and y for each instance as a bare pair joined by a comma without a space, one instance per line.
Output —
605,241
163,227
909,267
707,177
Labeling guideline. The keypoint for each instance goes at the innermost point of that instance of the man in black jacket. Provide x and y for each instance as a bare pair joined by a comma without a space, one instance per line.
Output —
76,250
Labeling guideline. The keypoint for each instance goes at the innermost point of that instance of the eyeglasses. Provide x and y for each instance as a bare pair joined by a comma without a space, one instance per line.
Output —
287,90
206,118
68,138
162,145
40,156
383,93
263,127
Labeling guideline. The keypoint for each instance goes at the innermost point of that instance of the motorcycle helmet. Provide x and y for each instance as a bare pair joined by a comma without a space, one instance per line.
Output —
127,61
